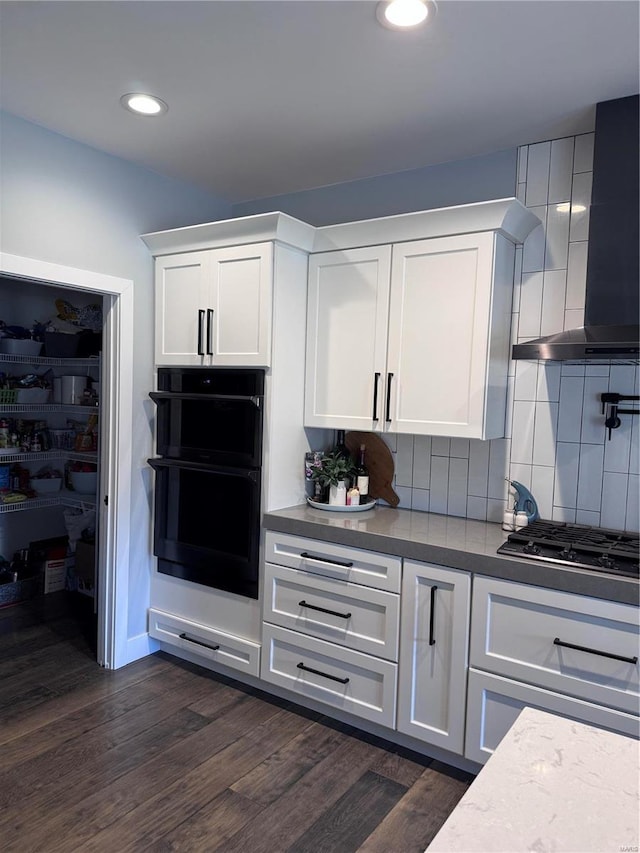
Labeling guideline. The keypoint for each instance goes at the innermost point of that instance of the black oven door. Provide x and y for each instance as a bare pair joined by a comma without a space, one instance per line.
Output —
216,429
207,524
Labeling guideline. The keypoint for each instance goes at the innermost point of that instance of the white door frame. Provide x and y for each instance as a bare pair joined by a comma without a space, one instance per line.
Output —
116,416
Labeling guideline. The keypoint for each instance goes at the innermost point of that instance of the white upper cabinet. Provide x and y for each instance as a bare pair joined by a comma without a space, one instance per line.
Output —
348,306
216,286
413,336
448,345
214,307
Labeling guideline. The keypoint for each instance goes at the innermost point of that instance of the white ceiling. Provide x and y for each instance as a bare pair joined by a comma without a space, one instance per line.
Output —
272,97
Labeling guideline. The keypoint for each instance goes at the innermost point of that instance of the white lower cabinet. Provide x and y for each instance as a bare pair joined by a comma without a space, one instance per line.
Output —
331,625
556,651
208,643
494,702
433,654
357,617
360,684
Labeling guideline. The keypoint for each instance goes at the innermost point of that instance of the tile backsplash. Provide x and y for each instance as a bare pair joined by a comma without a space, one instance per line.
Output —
555,441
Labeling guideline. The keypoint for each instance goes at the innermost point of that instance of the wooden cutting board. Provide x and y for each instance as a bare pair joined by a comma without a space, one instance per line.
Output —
379,460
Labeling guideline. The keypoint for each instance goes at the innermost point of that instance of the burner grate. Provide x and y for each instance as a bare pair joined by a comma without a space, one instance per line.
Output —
576,544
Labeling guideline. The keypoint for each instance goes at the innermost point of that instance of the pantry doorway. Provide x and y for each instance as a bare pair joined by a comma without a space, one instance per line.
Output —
114,499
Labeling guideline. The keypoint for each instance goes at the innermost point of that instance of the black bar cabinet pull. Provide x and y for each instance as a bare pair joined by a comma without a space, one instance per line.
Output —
389,378
209,331
376,379
323,674
324,610
345,565
558,642
199,643
432,617
200,322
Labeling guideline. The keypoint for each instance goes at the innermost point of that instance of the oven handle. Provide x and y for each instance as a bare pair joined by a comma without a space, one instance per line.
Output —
254,399
248,473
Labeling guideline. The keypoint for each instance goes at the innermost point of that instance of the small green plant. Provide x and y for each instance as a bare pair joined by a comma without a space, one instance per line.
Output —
333,468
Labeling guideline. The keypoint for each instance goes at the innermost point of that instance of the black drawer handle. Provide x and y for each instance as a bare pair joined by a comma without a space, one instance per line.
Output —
345,565
324,610
432,617
200,324
389,378
199,643
376,379
323,674
558,642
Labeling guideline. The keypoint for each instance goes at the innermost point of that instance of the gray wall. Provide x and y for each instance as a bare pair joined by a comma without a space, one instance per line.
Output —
478,179
65,203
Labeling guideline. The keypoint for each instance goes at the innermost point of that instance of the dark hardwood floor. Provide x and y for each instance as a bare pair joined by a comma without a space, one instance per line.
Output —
163,755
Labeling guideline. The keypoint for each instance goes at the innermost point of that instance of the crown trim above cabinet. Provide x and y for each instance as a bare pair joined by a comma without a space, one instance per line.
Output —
263,227
506,216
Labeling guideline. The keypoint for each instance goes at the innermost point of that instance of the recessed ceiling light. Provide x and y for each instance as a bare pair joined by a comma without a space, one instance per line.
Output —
404,14
143,105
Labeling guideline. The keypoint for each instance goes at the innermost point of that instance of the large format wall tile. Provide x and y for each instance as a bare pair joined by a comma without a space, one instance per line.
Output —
555,441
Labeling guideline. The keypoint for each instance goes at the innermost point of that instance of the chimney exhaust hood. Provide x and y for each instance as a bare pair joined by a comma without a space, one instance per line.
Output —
611,329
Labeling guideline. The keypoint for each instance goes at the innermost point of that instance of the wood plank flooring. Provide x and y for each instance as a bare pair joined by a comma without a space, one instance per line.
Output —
165,756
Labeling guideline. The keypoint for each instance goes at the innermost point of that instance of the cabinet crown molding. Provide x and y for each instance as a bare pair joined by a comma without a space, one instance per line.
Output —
262,227
506,216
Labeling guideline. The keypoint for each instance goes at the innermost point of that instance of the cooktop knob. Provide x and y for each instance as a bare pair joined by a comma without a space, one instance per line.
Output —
531,548
568,553
606,561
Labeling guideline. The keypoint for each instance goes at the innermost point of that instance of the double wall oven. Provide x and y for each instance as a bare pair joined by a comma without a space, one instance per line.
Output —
208,476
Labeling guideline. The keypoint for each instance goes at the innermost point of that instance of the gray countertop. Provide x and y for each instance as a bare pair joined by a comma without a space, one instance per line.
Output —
459,543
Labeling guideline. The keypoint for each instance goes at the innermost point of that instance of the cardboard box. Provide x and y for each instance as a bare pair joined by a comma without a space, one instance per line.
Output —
55,575
47,557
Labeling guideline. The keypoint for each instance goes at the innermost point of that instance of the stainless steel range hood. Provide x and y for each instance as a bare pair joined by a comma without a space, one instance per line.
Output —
611,329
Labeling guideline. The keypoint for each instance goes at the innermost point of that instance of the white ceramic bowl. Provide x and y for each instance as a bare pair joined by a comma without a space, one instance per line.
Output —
13,346
84,482
46,486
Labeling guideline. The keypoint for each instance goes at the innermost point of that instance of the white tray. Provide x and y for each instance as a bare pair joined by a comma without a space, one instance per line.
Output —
331,508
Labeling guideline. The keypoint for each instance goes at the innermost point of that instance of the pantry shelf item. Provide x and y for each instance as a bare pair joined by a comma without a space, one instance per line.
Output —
84,482
24,346
46,486
336,508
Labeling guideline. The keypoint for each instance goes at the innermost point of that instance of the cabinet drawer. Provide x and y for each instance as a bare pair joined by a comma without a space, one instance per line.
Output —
530,634
358,617
368,568
362,685
493,703
209,643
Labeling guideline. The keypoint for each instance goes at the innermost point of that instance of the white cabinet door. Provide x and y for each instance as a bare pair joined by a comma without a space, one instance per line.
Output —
585,647
494,703
348,614
347,338
351,681
433,654
214,307
182,294
412,338
443,363
241,288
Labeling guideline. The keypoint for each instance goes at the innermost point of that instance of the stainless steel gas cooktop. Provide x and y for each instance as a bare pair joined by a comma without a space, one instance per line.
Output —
612,551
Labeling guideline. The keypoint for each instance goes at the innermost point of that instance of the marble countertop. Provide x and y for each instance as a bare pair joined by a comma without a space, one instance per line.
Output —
459,543
551,785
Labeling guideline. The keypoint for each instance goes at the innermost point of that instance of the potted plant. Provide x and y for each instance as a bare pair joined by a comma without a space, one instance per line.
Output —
334,470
